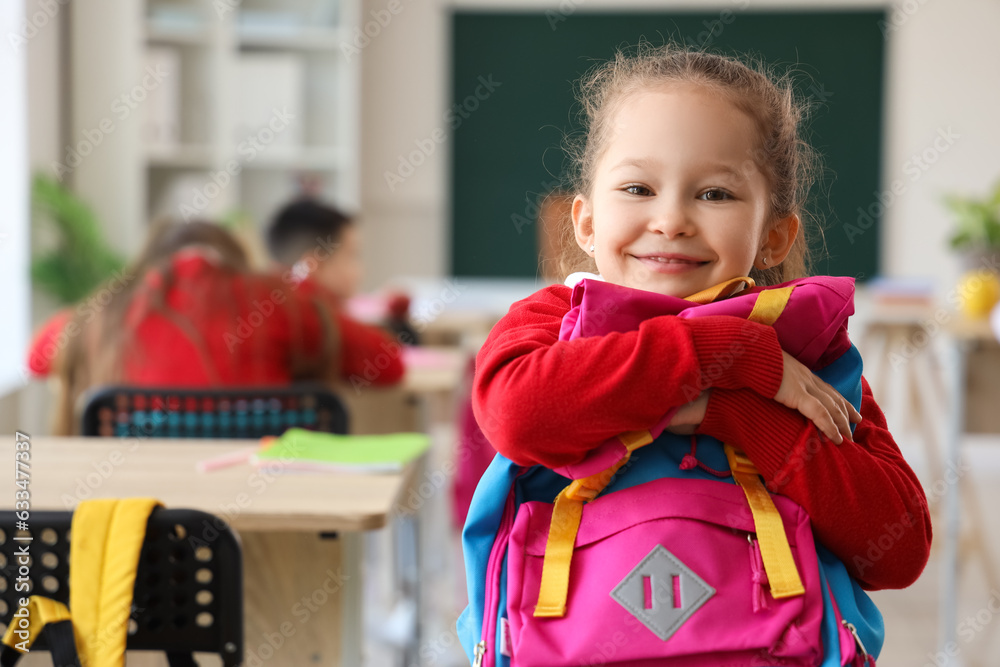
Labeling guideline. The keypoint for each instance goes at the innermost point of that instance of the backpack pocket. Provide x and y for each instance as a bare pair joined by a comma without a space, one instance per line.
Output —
666,573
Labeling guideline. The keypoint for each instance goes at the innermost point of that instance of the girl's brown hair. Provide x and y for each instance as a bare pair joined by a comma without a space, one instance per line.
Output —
785,158
94,356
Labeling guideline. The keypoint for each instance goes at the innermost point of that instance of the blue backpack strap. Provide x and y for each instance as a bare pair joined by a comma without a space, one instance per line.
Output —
478,536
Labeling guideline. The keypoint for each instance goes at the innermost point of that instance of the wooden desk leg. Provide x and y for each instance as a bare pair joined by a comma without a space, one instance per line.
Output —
302,602
949,557
351,611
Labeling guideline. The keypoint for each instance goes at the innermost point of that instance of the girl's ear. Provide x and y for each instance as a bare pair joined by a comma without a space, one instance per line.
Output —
583,223
778,242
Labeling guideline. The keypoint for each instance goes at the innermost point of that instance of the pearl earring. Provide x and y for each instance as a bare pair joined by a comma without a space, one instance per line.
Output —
763,260
593,248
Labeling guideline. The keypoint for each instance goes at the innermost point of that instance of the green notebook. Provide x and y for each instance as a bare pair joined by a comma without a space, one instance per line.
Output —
301,450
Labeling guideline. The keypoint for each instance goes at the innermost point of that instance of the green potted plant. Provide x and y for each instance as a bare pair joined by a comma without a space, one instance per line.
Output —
76,259
977,238
977,232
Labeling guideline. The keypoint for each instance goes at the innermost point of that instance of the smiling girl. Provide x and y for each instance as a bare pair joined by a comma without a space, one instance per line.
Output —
692,178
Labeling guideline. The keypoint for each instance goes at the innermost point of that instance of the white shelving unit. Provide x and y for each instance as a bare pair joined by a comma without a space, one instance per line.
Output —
220,160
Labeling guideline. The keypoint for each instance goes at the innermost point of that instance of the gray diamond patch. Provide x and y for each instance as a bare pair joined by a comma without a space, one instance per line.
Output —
662,592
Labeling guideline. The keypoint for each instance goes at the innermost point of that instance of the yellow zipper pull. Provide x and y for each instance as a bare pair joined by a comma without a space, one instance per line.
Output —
480,652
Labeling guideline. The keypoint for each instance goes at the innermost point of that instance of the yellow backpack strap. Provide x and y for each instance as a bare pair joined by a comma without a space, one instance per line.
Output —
721,290
107,537
782,574
30,619
565,525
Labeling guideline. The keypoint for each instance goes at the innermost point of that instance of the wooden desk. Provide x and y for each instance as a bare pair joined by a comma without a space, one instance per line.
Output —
302,592
433,375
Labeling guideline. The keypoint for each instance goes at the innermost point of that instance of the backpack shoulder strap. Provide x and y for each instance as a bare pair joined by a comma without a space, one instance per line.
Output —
107,538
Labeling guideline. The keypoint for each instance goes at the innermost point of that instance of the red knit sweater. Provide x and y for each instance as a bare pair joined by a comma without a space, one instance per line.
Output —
544,401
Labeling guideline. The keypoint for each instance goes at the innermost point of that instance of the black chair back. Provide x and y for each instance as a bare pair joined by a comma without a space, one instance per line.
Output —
231,413
188,588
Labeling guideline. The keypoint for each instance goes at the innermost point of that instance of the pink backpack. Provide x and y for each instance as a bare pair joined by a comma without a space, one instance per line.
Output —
670,571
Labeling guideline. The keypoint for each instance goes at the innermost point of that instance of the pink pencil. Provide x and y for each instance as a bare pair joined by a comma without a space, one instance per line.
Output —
231,458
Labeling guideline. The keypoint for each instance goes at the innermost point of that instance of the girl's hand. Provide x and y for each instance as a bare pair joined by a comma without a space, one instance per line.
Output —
818,402
690,415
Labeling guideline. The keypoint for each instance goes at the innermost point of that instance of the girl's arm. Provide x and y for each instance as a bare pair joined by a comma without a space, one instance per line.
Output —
369,356
544,401
865,503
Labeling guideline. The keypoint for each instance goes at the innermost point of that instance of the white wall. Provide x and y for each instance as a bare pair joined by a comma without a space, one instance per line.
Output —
28,408
13,196
943,58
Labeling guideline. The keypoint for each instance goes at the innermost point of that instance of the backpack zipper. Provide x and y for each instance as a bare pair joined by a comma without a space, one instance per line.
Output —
480,652
758,576
493,569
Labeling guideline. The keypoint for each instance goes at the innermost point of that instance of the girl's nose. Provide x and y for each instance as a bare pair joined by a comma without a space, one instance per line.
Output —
671,220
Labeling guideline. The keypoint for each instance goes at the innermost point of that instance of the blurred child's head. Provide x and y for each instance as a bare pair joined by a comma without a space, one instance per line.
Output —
318,241
107,333
168,237
692,171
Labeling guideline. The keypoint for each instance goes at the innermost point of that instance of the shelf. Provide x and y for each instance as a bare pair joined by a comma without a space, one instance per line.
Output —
161,33
189,156
318,159
294,39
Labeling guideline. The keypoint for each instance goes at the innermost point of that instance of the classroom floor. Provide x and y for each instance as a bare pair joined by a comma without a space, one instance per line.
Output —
911,615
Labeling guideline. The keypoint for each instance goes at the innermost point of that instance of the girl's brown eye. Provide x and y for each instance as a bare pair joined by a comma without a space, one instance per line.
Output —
716,195
637,190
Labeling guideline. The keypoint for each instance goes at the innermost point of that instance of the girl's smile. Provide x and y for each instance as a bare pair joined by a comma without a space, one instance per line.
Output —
672,263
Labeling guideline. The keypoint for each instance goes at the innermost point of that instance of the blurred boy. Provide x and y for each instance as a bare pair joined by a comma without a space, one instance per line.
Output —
321,247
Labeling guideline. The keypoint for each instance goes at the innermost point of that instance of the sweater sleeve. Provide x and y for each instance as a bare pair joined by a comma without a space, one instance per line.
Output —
368,354
49,342
545,401
865,503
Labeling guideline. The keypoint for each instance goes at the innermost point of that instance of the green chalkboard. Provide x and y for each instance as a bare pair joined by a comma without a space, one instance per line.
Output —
512,103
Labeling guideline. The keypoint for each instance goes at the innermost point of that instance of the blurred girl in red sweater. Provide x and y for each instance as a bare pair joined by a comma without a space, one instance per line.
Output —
189,312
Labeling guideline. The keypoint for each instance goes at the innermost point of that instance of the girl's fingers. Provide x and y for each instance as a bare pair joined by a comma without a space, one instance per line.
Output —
824,420
837,416
836,412
855,415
